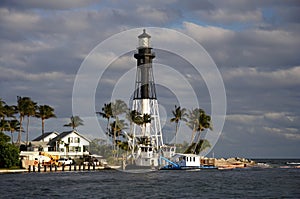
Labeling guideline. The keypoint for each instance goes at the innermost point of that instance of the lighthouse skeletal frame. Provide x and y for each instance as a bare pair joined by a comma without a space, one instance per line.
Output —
145,102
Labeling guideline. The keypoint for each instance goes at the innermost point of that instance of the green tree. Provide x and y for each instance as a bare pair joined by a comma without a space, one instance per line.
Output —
116,128
11,126
2,111
196,148
10,111
9,154
106,113
118,107
75,122
146,118
179,114
198,122
22,111
30,108
45,112
131,117
25,107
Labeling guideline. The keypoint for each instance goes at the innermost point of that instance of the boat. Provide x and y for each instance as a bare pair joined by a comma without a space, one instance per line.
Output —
181,161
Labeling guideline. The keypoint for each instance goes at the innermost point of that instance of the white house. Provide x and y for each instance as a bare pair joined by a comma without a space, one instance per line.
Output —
70,144
46,137
41,143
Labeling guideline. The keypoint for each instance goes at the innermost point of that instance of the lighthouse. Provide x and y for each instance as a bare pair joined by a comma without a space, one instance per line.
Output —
149,135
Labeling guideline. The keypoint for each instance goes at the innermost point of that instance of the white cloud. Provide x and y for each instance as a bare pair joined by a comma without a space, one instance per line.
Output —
255,77
243,119
289,133
17,20
21,75
207,33
229,16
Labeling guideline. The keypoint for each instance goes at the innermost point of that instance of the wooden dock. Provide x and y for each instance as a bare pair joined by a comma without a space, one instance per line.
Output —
40,168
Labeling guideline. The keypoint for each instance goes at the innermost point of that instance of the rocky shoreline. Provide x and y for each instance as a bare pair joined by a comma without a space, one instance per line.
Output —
232,163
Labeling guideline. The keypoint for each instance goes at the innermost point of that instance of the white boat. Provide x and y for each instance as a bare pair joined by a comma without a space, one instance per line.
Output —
181,161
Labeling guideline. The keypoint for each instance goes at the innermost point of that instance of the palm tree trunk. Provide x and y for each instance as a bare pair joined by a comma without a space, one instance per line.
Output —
193,135
114,144
43,128
197,141
27,130
20,131
12,137
176,130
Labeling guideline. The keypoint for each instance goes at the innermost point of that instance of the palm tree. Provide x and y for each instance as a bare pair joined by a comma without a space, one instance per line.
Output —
118,107
21,110
75,122
133,117
179,114
198,121
106,113
116,128
45,112
12,126
30,108
10,111
115,131
198,147
25,107
2,110
146,118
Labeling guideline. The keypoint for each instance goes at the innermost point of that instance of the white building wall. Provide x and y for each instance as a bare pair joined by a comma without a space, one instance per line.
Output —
76,145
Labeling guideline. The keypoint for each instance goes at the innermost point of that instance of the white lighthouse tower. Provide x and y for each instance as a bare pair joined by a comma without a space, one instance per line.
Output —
148,136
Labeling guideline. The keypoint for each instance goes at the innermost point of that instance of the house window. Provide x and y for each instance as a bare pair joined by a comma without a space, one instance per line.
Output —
71,149
77,140
85,148
78,149
70,139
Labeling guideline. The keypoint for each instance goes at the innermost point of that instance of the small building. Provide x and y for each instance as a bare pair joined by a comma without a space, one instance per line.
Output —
46,137
70,144
41,142
187,160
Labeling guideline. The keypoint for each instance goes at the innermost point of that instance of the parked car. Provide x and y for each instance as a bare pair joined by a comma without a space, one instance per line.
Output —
65,161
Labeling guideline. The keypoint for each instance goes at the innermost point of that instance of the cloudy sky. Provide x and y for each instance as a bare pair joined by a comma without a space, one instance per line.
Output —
254,44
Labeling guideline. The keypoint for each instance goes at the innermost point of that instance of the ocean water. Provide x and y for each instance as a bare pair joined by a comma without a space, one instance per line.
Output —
272,182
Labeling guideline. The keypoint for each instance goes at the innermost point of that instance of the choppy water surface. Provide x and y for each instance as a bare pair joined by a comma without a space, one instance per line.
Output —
244,183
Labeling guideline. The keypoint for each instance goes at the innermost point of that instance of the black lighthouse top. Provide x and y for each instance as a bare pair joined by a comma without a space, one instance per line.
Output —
144,87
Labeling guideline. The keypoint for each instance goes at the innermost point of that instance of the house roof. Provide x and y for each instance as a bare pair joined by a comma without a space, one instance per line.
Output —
44,136
64,134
